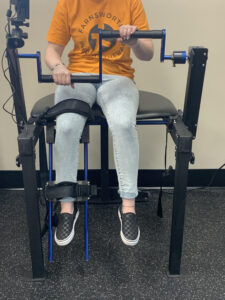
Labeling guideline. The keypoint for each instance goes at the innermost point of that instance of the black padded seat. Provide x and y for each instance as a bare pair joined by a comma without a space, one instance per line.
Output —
41,105
151,106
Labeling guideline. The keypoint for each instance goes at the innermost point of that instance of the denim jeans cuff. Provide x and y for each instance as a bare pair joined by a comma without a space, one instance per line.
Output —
67,199
128,195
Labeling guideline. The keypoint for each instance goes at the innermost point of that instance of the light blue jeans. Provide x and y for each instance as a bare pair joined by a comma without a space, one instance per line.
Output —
119,98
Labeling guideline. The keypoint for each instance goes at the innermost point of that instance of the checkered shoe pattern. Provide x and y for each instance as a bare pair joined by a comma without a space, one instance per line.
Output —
130,232
66,228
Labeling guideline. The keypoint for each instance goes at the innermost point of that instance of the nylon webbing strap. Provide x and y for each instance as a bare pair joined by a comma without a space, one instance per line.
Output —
65,106
81,191
68,105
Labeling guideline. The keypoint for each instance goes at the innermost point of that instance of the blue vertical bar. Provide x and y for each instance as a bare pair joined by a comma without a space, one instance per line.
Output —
50,209
39,68
86,202
163,46
100,55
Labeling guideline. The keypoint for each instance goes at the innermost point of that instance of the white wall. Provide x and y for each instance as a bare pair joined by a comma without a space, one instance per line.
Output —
188,23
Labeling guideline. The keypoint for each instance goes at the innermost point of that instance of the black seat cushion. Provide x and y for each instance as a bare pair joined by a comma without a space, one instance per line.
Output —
151,106
41,105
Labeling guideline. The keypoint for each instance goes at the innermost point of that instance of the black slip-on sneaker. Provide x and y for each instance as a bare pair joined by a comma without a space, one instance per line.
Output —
130,232
65,230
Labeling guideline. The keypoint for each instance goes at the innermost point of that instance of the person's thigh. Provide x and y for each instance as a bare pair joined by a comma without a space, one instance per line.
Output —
82,91
69,127
119,100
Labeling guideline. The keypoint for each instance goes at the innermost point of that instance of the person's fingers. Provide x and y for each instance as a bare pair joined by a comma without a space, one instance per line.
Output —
122,32
126,31
62,76
68,79
55,78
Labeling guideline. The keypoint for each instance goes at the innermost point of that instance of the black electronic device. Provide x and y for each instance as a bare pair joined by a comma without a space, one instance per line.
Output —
22,8
16,36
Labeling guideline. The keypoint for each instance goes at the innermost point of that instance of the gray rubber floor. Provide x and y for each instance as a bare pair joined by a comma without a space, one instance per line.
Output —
115,271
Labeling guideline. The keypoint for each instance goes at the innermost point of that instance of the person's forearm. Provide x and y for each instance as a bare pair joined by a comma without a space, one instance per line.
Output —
143,49
61,75
52,58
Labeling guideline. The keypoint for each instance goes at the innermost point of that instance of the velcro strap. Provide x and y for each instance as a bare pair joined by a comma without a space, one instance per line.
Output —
81,191
66,106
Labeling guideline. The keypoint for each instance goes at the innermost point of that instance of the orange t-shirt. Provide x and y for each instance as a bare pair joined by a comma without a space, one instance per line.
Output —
81,19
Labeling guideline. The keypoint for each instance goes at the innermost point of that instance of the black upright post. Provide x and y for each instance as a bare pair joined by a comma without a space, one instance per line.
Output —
196,73
43,160
104,162
26,144
183,132
28,136
183,140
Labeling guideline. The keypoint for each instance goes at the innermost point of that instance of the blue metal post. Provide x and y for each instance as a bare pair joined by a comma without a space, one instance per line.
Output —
163,46
86,202
39,68
50,209
100,55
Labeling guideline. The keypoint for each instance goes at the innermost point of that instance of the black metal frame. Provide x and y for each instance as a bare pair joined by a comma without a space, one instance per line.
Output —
182,130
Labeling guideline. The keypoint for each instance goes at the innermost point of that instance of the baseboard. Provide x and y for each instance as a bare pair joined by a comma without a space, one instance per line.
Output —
147,178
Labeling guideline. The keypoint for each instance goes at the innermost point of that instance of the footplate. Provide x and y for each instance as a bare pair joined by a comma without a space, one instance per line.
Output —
81,190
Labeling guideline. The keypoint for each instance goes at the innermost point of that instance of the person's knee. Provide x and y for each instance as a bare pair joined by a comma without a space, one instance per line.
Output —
69,124
64,127
121,125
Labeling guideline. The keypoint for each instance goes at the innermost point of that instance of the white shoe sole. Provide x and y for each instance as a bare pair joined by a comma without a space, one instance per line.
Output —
70,237
123,238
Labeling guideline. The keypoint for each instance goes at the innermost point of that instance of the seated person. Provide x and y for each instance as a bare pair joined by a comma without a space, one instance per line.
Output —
117,96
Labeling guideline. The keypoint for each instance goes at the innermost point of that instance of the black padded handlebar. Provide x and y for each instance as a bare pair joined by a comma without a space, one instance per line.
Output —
147,34
74,78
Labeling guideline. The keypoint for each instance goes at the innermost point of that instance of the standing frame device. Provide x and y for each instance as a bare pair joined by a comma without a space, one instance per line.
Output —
182,129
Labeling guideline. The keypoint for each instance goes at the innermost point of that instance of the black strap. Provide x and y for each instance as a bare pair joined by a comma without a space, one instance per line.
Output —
68,105
65,106
82,190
